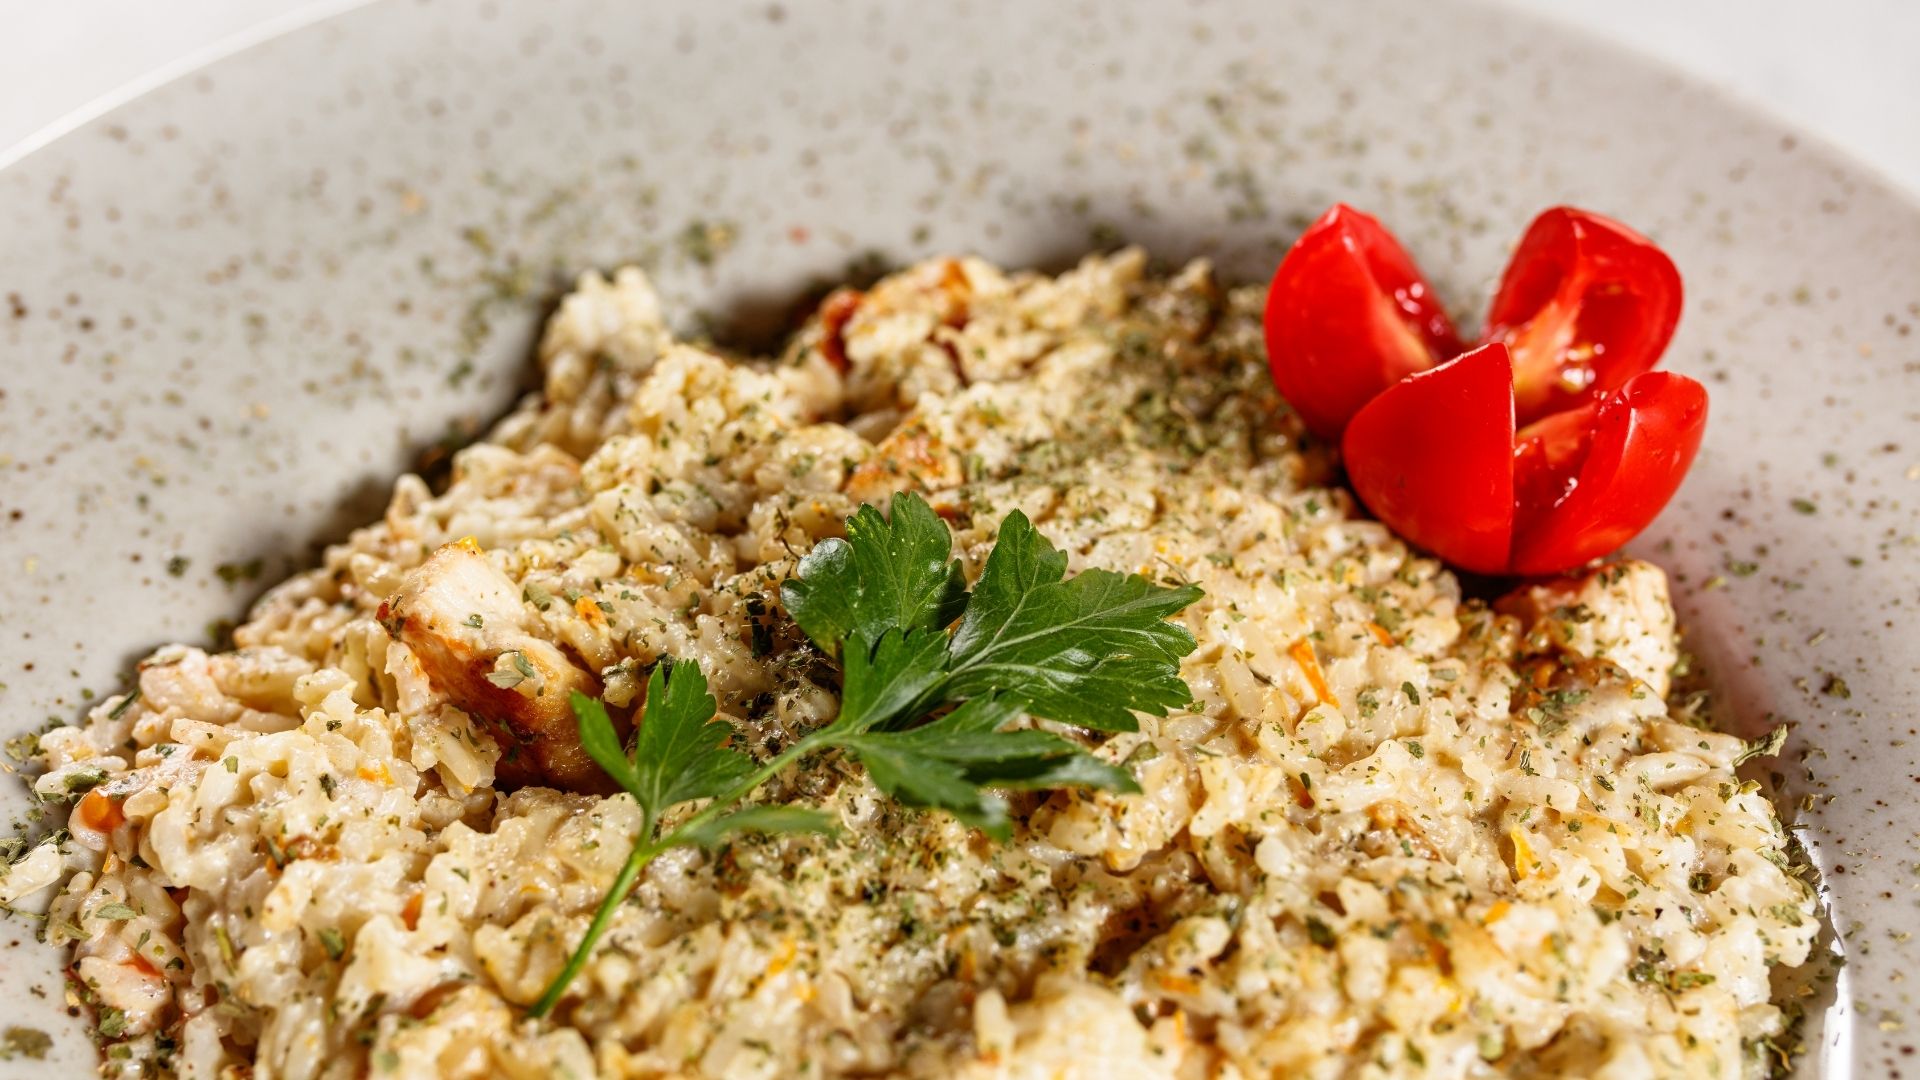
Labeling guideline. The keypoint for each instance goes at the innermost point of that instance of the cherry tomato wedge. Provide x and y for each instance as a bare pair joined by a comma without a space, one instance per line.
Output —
1349,315
1585,305
1432,456
1436,457
1590,479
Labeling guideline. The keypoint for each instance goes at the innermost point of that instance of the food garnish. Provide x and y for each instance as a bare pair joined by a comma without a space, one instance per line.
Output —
1348,315
932,676
1550,445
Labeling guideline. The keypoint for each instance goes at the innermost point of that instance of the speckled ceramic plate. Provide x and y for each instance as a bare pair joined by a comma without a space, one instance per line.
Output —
236,308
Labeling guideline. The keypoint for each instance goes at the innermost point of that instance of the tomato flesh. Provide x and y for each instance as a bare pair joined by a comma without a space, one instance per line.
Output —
1590,479
1433,457
1585,305
1347,316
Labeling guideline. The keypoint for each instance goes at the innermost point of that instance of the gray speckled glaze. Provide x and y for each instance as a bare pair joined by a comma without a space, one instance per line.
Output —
234,309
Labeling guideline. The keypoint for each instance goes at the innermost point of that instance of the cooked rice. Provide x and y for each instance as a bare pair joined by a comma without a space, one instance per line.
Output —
1398,833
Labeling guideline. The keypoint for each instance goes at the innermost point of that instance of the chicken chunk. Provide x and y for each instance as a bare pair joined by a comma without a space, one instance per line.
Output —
1619,613
911,458
474,636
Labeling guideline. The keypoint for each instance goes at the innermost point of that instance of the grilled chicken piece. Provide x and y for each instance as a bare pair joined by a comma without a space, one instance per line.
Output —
1618,613
467,624
911,458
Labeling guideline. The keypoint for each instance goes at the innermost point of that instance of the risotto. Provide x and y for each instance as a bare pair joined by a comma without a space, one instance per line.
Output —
1396,833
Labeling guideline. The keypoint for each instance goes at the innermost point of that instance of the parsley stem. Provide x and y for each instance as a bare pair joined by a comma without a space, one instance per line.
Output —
644,852
637,860
816,741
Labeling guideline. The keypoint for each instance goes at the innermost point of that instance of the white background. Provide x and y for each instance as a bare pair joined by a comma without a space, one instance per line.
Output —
1848,70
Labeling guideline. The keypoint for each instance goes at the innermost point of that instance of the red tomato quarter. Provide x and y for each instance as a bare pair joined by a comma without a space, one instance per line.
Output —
1432,456
1349,315
1585,305
1591,479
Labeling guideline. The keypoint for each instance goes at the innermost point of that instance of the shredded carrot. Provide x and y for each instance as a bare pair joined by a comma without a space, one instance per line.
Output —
410,914
1524,863
590,611
1302,653
376,772
1495,913
468,543
99,812
1380,633
782,959
1178,984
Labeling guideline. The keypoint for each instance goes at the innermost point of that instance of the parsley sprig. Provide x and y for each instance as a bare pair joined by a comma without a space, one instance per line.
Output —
932,678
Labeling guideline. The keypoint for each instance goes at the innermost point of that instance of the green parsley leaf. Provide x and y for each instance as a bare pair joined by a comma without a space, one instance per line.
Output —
884,683
83,780
678,752
1140,755
25,1042
759,819
115,912
228,953
948,762
890,573
1090,650
126,703
1320,933
1767,745
507,679
333,941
